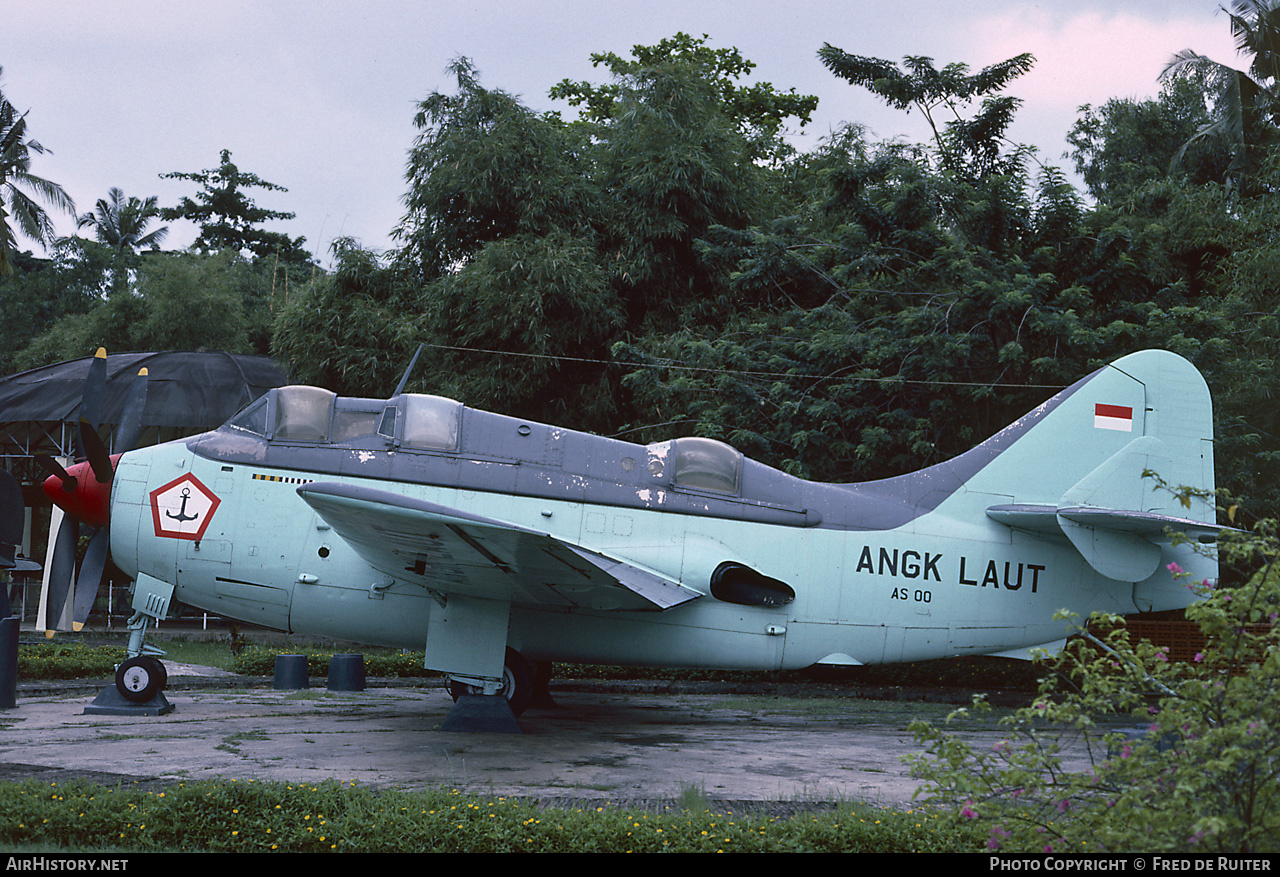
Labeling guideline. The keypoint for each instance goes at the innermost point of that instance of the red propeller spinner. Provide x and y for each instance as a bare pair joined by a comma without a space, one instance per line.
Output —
80,494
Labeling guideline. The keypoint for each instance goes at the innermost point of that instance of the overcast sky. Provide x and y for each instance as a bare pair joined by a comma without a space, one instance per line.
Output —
319,95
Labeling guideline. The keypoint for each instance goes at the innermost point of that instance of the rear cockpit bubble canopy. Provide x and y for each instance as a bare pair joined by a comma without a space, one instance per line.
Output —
698,464
417,420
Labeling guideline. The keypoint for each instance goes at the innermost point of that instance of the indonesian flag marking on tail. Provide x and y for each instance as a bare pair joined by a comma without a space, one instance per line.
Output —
1117,417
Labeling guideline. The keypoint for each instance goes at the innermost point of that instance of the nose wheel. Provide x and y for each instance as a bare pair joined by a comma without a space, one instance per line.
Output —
141,678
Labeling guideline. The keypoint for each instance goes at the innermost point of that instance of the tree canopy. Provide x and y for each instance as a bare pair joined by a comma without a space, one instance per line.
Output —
228,217
657,259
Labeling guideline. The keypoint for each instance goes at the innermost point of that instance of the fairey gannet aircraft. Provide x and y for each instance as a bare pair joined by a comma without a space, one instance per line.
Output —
501,545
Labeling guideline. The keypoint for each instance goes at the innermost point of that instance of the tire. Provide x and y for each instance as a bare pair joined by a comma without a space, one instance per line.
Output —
517,683
139,679
162,672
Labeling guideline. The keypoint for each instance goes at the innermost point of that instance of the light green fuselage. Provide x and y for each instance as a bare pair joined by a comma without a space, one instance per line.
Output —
951,582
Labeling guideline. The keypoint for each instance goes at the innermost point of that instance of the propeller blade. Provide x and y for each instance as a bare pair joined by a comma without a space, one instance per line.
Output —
53,467
90,578
96,451
131,418
12,519
95,388
61,572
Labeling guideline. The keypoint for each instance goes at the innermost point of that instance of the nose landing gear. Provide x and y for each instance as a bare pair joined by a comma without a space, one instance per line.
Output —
141,679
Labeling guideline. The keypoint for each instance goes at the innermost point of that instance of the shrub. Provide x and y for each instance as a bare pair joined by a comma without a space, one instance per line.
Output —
1198,774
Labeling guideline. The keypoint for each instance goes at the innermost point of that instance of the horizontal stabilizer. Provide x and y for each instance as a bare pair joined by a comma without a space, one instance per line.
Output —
1044,519
1118,543
454,552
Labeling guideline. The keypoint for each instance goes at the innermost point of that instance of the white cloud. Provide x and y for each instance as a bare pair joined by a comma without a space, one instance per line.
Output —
1093,56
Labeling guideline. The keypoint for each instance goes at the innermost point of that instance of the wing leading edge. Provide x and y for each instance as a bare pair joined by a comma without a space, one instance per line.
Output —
454,552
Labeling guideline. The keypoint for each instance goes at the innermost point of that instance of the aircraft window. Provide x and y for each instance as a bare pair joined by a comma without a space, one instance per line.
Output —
303,414
431,422
387,426
253,418
348,425
705,464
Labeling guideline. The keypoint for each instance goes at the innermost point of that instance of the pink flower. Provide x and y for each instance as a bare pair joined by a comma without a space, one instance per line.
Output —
1174,568
1198,657
968,813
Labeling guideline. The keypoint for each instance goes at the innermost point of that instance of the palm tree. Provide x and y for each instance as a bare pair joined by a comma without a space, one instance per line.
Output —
120,223
27,216
1246,104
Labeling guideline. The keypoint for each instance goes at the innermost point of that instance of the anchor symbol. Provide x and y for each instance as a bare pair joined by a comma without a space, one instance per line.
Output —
182,515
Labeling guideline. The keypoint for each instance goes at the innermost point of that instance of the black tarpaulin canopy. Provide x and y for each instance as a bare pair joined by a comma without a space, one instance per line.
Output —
188,392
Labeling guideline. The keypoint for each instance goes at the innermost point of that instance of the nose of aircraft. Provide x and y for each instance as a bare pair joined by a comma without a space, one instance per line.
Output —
82,495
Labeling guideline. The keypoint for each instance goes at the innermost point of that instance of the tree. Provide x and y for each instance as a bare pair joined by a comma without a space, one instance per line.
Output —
178,301
970,145
28,216
670,166
982,179
228,218
1125,145
524,327
121,223
352,331
483,168
760,111
1246,104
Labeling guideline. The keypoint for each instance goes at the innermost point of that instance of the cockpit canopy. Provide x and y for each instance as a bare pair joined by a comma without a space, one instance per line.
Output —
698,464
317,416
421,421
418,438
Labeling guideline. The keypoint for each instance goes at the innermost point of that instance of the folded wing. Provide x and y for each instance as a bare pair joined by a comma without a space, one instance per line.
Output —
454,552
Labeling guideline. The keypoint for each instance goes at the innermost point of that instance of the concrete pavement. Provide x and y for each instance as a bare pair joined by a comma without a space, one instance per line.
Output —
592,744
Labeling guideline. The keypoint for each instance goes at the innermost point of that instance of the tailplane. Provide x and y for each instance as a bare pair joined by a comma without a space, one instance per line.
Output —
1115,463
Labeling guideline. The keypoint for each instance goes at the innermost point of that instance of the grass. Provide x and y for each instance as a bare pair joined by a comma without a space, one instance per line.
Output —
258,816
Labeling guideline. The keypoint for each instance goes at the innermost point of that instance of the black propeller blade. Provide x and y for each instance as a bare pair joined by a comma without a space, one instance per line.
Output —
92,570
131,417
11,527
91,445
53,467
94,565
11,519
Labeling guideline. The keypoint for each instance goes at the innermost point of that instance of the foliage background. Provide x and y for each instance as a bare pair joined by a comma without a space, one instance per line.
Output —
659,260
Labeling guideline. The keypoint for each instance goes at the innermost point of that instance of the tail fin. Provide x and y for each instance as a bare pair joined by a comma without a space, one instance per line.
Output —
1096,463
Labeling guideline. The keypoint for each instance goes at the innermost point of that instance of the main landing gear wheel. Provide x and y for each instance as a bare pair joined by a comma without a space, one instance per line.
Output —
141,678
517,683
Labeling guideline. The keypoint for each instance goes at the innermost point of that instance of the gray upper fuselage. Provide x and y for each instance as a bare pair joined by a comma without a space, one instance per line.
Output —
483,451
